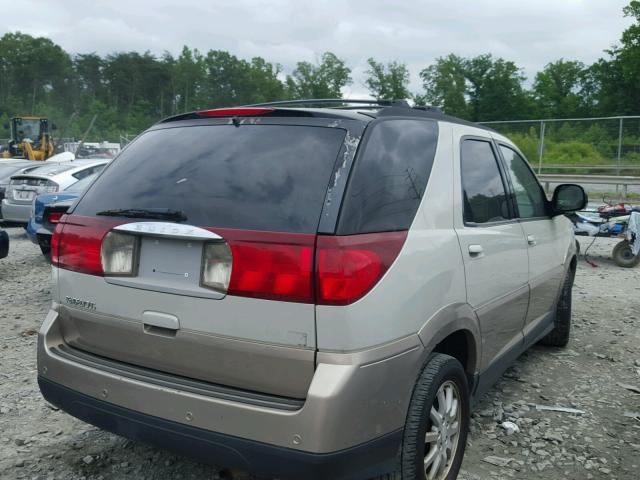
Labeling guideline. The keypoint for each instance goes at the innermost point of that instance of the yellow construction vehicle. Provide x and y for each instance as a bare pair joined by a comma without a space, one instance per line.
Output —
29,138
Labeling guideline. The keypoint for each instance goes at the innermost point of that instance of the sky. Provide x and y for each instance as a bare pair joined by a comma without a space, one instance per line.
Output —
532,33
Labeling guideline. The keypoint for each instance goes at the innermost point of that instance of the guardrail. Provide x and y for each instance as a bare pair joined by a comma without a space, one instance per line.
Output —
565,166
618,181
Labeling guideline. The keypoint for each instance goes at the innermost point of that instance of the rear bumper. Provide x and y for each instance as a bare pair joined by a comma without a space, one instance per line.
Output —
349,425
12,212
262,459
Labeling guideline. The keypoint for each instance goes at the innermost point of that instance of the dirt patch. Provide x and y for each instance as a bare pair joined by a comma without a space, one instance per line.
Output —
596,374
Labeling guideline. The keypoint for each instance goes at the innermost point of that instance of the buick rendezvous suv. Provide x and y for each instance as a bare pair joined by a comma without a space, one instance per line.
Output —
304,292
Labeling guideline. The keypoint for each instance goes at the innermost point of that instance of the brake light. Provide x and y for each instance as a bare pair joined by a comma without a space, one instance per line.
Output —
77,241
235,112
347,267
271,265
54,217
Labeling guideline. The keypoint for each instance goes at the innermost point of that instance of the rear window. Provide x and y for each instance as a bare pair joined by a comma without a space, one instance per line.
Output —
258,177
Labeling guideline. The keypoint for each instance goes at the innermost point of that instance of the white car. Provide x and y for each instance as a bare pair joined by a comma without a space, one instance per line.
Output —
48,178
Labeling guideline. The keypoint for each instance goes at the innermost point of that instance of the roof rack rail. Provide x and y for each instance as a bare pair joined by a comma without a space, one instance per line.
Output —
339,101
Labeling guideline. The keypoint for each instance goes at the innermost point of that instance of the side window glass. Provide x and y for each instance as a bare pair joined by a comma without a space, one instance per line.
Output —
389,177
529,196
484,195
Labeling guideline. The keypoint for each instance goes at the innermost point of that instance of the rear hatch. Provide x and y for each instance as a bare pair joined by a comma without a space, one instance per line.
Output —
218,223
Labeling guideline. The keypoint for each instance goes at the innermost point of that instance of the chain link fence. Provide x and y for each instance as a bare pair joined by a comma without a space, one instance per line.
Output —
594,146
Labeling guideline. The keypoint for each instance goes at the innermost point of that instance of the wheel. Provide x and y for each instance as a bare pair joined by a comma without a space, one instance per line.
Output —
623,256
435,433
559,336
577,248
46,251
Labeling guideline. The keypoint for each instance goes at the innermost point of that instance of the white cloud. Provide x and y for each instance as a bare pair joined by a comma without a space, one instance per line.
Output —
286,31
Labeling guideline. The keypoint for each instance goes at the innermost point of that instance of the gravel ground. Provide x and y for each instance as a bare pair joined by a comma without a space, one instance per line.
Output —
593,374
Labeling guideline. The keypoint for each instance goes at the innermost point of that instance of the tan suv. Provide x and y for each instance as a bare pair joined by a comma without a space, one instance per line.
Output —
305,292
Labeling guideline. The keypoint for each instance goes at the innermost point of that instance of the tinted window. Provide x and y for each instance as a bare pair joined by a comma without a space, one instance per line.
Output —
389,177
81,185
529,196
484,194
262,177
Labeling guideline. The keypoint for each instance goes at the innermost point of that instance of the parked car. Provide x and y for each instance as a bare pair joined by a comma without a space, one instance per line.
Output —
47,210
48,178
4,243
8,168
309,293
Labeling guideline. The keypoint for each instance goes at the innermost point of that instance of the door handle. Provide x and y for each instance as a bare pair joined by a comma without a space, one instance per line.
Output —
475,250
531,240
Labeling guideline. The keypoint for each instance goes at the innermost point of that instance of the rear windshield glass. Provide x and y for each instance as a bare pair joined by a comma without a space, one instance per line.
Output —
51,170
259,177
81,185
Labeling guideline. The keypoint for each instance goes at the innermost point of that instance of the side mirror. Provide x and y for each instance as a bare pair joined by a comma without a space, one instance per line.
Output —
568,198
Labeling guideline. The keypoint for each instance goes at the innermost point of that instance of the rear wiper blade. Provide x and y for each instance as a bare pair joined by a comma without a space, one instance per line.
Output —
155,213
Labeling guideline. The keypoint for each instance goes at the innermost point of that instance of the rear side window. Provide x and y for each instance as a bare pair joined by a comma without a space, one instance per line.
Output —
484,195
257,177
389,177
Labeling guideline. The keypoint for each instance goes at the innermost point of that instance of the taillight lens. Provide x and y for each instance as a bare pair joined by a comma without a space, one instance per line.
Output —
216,266
119,254
271,265
77,241
347,267
54,217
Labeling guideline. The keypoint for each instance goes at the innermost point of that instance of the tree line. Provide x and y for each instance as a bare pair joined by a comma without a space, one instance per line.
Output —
128,91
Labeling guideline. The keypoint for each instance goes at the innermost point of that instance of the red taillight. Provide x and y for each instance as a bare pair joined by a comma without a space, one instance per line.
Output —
77,241
348,267
235,112
275,266
54,217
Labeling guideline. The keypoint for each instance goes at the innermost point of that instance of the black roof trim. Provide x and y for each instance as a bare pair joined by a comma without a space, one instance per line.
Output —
346,108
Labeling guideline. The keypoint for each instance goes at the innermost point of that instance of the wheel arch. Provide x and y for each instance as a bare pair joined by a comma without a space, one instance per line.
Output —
454,330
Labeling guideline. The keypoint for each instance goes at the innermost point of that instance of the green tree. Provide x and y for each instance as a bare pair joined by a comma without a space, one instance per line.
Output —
494,89
388,81
323,80
557,89
445,85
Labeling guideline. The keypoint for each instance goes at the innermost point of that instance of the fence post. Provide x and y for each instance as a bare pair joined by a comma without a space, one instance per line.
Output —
541,148
619,146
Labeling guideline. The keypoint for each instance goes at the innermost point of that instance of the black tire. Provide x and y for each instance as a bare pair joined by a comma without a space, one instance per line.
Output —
577,247
559,336
438,370
623,255
46,251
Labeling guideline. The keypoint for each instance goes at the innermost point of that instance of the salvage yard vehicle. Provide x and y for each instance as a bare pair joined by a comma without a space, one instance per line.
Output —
4,243
47,209
8,168
305,292
47,178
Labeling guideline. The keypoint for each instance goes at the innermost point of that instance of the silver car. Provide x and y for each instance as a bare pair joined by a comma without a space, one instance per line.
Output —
312,293
48,177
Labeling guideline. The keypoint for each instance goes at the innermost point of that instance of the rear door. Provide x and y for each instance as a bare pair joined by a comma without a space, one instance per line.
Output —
546,237
494,251
262,188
